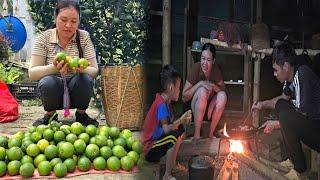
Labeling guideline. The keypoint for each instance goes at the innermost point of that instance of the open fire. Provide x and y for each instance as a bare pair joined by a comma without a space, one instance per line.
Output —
230,168
235,145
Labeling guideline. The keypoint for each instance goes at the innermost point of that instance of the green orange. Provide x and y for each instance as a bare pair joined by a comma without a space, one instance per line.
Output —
92,151
3,168
44,168
83,63
71,165
66,150
79,146
26,170
73,63
99,163
59,136
14,167
51,152
91,130
48,134
14,153
61,56
77,128
42,144
113,163
38,159
84,164
127,163
60,170
2,153
33,150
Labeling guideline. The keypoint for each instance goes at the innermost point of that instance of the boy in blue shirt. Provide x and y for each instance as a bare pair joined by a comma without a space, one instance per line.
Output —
161,135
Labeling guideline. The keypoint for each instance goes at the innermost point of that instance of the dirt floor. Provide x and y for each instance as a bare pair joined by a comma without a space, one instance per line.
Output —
28,114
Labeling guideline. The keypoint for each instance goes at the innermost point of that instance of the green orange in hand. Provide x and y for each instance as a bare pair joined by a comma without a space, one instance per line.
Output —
68,59
73,63
61,56
83,63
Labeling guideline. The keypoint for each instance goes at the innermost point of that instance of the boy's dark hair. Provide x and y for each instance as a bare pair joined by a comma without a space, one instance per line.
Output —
211,48
168,75
282,53
66,4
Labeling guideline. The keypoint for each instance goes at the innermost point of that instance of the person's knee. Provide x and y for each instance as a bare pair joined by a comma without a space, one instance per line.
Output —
85,80
202,92
47,85
282,105
221,100
201,96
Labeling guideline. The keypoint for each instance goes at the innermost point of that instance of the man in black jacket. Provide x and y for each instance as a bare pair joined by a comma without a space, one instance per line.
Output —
298,107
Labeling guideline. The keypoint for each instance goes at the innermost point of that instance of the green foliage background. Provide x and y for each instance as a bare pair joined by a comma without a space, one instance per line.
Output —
117,27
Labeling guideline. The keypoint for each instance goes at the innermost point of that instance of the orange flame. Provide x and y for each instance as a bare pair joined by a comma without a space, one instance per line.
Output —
236,146
225,130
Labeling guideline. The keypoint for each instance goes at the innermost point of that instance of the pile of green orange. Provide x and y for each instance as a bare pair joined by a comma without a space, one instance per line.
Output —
74,62
63,148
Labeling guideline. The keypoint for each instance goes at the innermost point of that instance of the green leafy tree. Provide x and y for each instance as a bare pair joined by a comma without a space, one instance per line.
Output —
117,27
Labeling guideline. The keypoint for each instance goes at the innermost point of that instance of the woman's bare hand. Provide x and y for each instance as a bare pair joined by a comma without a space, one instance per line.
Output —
61,66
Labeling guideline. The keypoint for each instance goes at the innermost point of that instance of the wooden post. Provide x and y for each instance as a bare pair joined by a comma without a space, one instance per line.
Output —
15,6
256,86
185,42
246,80
5,8
259,11
189,59
166,33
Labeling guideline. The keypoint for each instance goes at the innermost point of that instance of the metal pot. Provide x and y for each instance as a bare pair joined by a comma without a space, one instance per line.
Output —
201,167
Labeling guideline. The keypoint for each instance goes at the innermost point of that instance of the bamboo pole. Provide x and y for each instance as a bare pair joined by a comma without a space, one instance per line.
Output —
256,86
311,52
166,32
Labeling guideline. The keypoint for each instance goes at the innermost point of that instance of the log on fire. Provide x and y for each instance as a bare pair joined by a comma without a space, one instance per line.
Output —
225,171
230,169
207,146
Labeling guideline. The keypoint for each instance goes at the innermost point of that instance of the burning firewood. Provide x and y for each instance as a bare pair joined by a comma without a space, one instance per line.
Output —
226,169
235,171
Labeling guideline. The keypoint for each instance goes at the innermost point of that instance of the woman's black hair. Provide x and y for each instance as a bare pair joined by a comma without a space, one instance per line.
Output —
282,53
211,48
168,75
67,4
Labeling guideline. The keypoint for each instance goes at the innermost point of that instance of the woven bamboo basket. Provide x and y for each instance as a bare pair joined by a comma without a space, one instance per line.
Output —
123,90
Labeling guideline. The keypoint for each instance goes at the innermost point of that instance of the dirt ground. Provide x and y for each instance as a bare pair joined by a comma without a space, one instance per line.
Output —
28,114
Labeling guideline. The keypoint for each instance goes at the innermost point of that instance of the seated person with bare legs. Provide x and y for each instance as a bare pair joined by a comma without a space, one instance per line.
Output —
205,89
161,135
